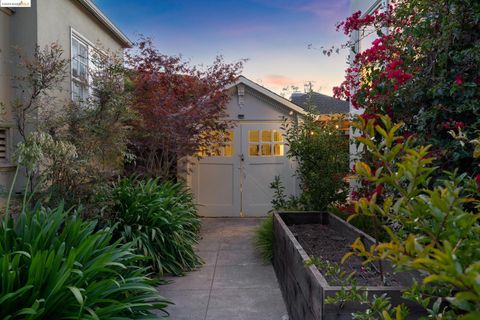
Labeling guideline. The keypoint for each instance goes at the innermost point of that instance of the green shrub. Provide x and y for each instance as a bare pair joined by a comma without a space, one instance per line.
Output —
53,265
432,225
160,219
321,153
280,201
264,238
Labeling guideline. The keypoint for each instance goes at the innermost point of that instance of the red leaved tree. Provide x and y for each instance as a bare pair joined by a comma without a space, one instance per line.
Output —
181,107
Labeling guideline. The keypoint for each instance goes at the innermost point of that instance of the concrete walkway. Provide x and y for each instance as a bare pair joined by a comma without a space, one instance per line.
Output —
234,283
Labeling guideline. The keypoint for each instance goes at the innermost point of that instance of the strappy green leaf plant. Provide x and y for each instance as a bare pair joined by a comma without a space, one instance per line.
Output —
54,265
161,220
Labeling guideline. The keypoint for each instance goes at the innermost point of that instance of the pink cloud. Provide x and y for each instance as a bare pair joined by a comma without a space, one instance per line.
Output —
283,85
278,80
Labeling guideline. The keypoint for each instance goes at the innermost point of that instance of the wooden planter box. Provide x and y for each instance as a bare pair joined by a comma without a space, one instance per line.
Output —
304,288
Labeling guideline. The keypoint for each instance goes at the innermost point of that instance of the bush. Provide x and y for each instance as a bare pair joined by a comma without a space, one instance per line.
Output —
322,156
160,219
53,265
280,201
432,224
78,146
424,73
264,238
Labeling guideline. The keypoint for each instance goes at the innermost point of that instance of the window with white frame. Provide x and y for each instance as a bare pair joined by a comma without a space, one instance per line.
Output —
80,62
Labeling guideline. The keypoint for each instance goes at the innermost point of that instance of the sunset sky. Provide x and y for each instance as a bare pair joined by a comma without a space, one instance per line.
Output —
272,34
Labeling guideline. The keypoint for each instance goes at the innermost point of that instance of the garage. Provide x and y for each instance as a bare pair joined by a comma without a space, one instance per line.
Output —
235,182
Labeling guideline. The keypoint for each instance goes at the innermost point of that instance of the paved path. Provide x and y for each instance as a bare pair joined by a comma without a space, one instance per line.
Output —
234,283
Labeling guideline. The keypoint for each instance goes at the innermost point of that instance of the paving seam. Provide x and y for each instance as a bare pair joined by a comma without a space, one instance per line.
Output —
213,279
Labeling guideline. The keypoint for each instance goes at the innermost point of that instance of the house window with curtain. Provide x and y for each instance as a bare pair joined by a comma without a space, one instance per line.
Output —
80,69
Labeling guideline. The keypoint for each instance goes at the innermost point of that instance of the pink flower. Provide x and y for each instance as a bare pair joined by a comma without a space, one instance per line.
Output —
459,79
354,195
477,180
459,125
378,190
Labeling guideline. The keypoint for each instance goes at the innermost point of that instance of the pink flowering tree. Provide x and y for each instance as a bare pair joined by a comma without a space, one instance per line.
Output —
422,69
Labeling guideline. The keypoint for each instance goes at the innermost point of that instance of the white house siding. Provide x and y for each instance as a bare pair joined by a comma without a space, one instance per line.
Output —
366,7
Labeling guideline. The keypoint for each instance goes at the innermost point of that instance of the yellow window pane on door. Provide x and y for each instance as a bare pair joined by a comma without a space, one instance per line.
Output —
230,135
228,150
252,135
278,150
253,150
266,149
277,136
266,135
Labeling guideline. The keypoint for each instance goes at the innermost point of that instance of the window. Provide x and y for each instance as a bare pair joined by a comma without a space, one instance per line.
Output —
265,143
80,62
220,150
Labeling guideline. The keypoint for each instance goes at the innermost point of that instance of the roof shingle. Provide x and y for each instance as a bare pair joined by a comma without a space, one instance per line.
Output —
323,104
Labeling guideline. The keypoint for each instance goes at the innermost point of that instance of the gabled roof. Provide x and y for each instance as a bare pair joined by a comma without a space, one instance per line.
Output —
95,11
323,104
268,93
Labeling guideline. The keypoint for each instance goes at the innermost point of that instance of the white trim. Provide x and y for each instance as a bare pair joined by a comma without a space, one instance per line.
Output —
272,95
90,47
74,32
90,6
373,7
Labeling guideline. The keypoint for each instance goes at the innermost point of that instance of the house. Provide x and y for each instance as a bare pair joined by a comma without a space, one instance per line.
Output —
236,180
322,103
78,26
363,40
327,108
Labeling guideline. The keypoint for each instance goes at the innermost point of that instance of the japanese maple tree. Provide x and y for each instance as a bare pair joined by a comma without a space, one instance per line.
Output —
181,107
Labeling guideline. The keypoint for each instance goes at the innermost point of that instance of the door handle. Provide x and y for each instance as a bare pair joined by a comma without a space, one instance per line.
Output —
242,158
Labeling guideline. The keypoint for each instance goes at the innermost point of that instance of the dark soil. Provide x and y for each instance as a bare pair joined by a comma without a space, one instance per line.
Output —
326,244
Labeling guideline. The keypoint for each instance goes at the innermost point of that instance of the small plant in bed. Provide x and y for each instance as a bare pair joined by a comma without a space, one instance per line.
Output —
54,265
160,219
264,239
264,234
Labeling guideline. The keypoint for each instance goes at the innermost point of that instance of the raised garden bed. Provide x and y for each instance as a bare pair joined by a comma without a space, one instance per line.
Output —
305,287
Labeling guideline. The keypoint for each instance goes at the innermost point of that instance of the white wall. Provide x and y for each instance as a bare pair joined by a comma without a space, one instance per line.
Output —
255,107
67,15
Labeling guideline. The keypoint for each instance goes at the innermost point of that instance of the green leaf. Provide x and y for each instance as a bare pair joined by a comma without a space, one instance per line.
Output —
78,295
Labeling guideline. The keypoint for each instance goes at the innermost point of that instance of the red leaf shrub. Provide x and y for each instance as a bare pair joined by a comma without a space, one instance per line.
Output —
181,107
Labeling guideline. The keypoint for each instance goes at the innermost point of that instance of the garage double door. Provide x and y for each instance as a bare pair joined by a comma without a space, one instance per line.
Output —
235,181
